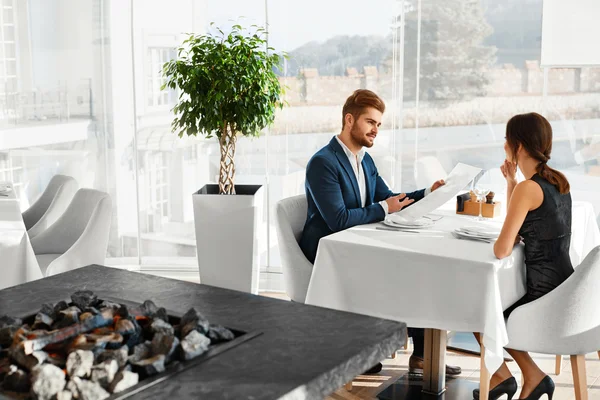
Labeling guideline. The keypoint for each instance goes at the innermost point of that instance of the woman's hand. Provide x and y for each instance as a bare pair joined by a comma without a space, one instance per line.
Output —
509,171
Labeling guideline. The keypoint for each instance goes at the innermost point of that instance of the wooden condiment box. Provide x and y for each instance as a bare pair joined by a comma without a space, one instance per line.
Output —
471,207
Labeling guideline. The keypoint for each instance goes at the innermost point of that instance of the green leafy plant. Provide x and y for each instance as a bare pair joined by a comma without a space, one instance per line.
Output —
227,86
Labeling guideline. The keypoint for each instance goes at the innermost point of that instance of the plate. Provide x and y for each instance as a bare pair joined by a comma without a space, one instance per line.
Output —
408,225
481,232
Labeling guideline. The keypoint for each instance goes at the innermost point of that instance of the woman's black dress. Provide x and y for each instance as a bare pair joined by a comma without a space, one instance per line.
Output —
546,233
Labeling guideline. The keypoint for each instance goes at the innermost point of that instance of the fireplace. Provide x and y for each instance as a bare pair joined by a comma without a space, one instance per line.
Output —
97,348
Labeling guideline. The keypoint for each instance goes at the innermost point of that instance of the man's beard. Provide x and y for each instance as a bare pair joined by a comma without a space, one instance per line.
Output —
360,138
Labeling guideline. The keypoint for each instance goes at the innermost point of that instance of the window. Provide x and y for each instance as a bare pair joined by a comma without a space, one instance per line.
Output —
157,57
158,189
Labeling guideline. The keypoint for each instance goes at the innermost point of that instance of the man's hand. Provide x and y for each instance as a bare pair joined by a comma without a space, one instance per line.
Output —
509,171
437,184
397,203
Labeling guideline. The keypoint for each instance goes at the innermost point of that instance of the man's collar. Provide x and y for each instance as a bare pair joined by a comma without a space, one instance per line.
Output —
360,155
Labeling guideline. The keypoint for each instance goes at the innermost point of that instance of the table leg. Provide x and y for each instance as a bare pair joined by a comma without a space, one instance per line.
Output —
484,376
434,368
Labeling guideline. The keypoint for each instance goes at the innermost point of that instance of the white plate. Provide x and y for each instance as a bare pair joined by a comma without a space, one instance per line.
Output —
486,232
407,225
5,188
473,235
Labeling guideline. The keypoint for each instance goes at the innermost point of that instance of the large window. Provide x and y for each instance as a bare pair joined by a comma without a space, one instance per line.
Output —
451,73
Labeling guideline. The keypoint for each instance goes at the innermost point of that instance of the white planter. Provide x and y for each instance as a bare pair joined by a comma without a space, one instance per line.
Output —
226,236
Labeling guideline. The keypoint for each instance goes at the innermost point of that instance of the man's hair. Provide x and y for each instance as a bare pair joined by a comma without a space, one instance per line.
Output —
359,101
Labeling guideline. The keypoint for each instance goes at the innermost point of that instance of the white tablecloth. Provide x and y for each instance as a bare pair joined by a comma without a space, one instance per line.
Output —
431,279
17,260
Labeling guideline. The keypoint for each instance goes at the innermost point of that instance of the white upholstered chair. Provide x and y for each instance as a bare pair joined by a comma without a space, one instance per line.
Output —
564,321
50,205
79,237
291,216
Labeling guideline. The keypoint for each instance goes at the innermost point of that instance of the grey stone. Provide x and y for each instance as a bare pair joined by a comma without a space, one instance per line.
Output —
104,373
164,344
48,309
17,353
79,363
119,355
58,307
141,351
6,320
150,366
193,320
124,380
67,317
42,321
194,345
72,387
160,326
125,327
46,381
16,380
89,390
218,333
84,299
64,395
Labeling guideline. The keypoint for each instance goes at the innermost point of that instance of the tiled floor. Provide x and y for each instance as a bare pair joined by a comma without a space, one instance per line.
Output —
368,386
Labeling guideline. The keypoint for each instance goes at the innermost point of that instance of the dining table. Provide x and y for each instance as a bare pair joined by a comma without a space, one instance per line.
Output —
431,279
17,259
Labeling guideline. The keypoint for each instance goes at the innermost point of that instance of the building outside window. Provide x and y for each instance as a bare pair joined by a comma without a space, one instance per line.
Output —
157,57
158,190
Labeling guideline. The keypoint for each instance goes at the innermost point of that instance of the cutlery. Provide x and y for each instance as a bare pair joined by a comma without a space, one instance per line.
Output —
2,194
471,238
434,219
381,228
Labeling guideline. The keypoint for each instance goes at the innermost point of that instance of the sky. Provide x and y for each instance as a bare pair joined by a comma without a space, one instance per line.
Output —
293,23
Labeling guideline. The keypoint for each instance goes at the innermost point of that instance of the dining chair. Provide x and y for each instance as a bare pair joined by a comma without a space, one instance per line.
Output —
79,237
564,321
290,216
50,205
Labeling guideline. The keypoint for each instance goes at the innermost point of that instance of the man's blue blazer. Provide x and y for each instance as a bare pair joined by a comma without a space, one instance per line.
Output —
334,199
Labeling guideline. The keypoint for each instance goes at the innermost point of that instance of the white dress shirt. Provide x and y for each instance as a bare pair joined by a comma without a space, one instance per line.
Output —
359,174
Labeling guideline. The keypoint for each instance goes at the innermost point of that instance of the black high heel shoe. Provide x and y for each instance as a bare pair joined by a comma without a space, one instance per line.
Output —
546,386
508,387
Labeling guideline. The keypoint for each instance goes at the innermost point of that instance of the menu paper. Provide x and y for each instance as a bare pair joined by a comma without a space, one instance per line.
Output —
459,177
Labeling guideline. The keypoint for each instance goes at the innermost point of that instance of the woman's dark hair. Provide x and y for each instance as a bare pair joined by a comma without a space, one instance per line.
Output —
534,133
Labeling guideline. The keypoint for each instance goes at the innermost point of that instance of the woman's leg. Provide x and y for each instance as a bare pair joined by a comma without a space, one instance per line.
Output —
532,374
502,374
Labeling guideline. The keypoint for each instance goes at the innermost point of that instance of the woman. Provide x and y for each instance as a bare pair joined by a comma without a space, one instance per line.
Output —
539,211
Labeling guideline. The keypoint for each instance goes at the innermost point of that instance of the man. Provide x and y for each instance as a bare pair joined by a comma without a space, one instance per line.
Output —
344,189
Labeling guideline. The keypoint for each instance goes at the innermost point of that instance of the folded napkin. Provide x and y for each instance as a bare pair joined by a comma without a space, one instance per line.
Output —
483,231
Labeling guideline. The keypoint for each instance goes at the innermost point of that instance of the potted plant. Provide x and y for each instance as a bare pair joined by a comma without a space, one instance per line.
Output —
227,87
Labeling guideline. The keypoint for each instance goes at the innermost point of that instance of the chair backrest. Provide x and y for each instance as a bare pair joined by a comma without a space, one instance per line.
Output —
291,215
428,169
570,314
90,211
51,204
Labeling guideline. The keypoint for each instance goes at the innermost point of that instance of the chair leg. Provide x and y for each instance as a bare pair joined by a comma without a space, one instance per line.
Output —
484,376
558,366
579,377
348,386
